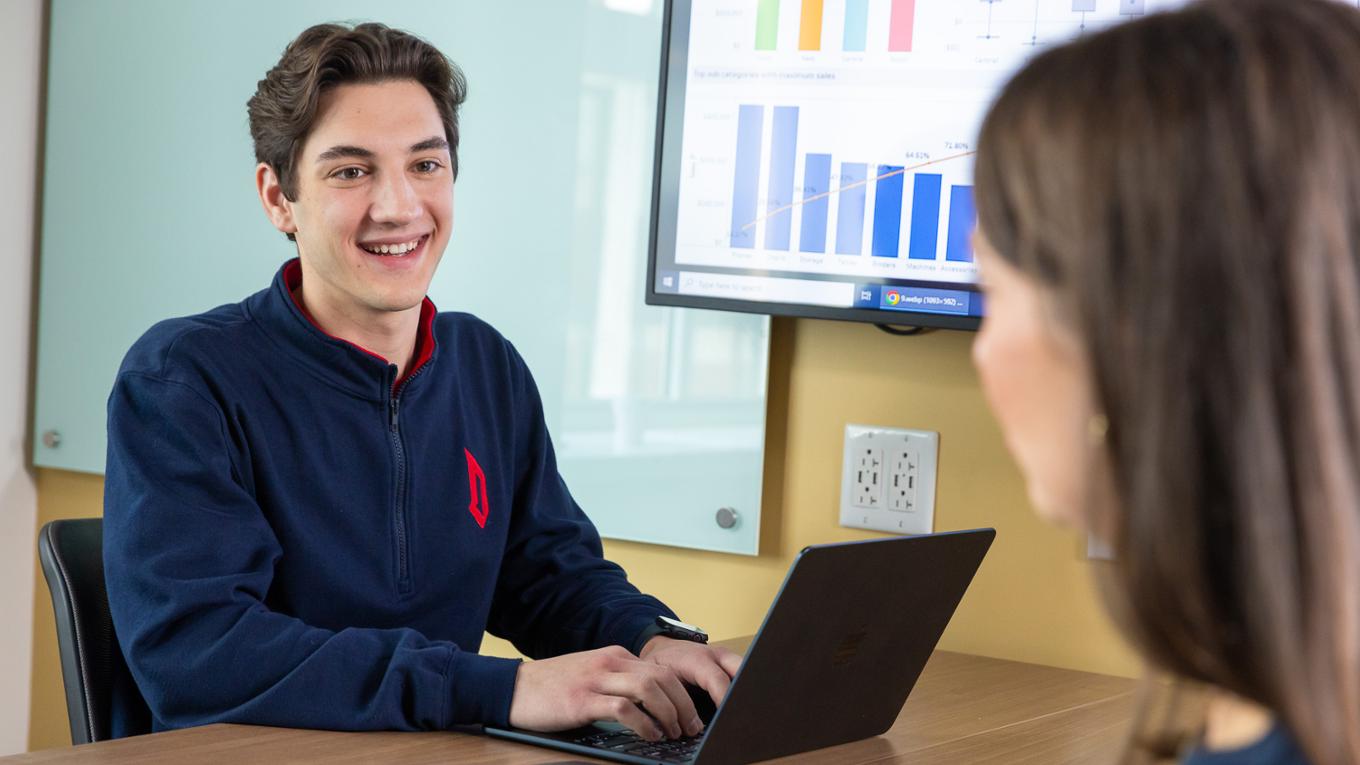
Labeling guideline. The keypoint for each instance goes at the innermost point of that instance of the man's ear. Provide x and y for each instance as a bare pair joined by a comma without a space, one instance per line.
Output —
276,205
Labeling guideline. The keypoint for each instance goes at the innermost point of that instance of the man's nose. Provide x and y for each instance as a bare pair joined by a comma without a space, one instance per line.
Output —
395,200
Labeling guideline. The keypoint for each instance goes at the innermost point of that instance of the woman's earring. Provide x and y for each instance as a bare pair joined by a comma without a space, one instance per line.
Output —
1096,429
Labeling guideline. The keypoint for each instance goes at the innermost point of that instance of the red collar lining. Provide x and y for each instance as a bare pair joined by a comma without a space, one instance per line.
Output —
292,280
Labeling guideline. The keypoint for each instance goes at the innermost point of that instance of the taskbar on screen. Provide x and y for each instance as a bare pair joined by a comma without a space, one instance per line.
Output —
889,298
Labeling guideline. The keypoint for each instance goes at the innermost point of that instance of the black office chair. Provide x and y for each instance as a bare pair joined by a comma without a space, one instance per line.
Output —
92,666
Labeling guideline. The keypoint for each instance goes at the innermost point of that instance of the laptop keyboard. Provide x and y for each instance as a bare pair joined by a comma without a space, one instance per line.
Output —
628,742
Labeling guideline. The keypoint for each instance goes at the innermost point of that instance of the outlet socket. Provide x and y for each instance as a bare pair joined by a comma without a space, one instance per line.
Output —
867,491
888,479
902,469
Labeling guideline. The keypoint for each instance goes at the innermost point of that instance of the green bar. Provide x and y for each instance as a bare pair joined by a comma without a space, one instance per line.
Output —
767,25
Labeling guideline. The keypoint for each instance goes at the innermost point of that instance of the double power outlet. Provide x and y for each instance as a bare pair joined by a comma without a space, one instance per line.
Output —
888,480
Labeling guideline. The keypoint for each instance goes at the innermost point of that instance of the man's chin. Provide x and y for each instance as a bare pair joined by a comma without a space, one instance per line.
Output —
401,306
407,300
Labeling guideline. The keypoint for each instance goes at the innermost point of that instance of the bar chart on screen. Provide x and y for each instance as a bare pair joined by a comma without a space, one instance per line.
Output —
848,189
836,137
786,188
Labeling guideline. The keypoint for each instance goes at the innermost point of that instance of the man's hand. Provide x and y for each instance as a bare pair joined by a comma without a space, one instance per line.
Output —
606,684
709,667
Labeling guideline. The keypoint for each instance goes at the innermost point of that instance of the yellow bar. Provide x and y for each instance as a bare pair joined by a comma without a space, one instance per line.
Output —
810,31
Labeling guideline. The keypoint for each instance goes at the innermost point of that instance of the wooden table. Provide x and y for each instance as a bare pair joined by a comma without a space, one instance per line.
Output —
964,709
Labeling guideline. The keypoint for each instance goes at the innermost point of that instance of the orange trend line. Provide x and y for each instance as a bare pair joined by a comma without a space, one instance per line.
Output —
856,184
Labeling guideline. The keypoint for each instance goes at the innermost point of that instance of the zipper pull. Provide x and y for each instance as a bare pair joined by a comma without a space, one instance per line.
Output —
392,401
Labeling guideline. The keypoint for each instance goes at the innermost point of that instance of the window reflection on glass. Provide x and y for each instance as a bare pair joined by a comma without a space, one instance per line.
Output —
641,380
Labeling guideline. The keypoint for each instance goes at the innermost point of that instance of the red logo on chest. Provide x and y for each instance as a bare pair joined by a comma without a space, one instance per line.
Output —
477,504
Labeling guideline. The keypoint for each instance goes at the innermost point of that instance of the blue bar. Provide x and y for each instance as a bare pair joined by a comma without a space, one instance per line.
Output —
780,189
850,209
816,180
925,217
856,25
887,212
746,183
962,217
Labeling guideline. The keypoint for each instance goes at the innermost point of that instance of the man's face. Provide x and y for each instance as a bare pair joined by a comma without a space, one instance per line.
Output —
373,175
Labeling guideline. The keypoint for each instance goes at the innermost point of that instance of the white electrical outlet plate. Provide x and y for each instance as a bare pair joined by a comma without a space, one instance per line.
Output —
888,479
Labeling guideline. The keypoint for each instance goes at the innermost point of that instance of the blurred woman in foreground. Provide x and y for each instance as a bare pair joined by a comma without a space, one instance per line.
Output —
1169,222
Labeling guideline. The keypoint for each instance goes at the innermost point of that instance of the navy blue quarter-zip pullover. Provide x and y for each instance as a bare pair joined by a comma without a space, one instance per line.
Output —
293,537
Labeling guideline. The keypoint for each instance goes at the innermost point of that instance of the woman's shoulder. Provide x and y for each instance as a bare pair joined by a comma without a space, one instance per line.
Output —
1277,747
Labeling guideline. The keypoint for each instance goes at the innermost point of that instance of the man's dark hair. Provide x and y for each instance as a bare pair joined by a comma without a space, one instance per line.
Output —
284,106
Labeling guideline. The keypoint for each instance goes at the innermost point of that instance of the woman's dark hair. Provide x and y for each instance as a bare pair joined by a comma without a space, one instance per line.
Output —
1186,189
285,103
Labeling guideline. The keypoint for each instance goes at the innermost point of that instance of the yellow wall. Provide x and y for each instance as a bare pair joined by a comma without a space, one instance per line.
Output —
1032,600
60,495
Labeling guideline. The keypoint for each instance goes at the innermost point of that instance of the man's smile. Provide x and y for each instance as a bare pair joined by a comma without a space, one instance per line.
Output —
394,248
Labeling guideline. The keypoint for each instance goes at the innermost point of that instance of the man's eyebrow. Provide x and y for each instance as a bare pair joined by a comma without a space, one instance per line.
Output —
336,152
436,142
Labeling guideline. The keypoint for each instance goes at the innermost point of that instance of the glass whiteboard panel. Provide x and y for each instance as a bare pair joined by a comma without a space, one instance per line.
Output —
149,211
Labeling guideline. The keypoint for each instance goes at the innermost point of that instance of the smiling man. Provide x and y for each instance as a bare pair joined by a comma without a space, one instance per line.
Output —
320,498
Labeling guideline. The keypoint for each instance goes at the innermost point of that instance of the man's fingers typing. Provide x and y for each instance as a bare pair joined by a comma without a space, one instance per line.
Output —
625,712
715,681
730,661
640,687
686,714
611,684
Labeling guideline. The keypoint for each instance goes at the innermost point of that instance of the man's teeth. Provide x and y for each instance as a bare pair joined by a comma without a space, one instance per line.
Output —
391,249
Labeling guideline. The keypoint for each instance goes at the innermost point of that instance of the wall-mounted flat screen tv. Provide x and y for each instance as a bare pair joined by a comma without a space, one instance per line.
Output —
814,157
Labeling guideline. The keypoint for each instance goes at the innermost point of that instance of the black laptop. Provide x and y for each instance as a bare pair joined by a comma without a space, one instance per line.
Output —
849,632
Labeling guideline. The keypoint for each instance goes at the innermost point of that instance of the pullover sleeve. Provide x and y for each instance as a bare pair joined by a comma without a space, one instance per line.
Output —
189,557
556,592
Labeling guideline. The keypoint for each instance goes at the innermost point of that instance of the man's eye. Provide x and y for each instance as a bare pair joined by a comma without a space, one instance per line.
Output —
427,166
348,173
